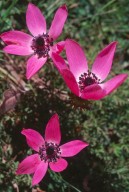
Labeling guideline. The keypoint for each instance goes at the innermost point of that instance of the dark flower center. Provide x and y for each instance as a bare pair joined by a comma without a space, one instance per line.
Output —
39,41
41,45
87,79
49,152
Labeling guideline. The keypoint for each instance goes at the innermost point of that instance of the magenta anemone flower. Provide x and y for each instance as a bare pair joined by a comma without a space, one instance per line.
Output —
49,151
85,83
40,45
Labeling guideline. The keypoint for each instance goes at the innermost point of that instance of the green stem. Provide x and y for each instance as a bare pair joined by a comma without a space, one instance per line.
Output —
58,175
70,185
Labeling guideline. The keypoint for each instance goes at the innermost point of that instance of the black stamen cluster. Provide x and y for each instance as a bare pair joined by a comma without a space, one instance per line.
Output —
41,45
49,152
87,79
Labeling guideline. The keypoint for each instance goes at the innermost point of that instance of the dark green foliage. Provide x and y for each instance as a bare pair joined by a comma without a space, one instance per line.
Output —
104,165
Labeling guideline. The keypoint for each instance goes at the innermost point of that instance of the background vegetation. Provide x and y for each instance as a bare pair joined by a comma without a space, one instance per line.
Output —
104,165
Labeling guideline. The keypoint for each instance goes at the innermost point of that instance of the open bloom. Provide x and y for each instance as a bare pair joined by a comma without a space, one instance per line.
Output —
49,151
40,44
85,83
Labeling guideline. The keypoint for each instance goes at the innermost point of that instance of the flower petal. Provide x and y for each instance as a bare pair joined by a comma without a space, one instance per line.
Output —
28,165
76,58
39,173
34,64
17,38
58,22
58,166
52,132
103,62
93,92
33,138
35,20
58,47
113,83
72,148
70,81
18,50
59,62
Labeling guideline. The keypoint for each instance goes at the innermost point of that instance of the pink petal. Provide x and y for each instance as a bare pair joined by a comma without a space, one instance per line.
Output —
28,165
113,83
72,148
58,22
59,62
93,92
39,173
34,65
52,132
18,50
35,20
76,58
33,138
58,47
70,81
103,62
58,166
17,37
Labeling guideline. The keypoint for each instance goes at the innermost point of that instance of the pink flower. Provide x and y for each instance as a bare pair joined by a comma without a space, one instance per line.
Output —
40,44
85,83
49,151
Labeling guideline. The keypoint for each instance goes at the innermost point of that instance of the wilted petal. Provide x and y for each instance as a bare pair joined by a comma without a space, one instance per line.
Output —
76,58
70,81
72,148
58,22
17,37
113,83
40,172
103,62
33,138
52,132
28,165
18,50
93,92
34,65
58,166
35,20
59,62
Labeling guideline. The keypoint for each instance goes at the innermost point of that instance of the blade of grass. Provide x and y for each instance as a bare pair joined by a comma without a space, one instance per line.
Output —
7,11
